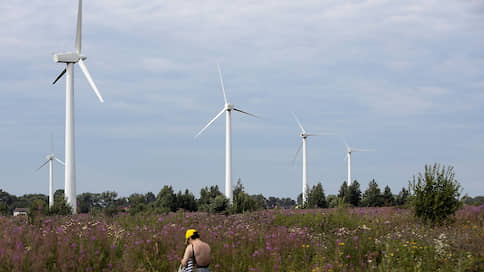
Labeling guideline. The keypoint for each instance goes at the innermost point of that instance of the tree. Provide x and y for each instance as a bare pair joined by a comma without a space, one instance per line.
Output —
372,197
332,201
388,199
186,201
402,197
343,192
207,197
354,194
166,200
242,201
316,197
435,194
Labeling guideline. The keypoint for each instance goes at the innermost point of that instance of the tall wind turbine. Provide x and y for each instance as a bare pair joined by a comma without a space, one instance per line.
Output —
50,159
304,135
228,107
70,58
349,150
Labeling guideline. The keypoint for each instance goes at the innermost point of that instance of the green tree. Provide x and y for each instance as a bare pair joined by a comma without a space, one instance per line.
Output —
186,201
207,197
166,200
435,194
372,197
402,197
354,194
388,198
60,206
343,192
242,201
316,197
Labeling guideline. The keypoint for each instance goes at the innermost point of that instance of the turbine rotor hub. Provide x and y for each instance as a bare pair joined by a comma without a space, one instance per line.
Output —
229,106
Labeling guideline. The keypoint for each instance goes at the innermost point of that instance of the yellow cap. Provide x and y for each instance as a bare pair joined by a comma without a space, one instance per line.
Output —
189,234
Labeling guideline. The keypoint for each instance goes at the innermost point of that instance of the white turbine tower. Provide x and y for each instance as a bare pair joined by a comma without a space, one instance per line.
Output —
228,107
70,58
304,135
50,159
349,150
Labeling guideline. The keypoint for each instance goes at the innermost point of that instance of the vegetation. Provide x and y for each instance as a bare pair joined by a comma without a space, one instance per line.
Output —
436,194
348,239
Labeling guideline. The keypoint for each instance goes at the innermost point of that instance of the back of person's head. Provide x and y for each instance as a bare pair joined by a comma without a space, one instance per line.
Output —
191,233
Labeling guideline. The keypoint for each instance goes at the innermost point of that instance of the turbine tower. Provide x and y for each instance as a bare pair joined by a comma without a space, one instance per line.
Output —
50,159
71,58
228,107
304,135
349,150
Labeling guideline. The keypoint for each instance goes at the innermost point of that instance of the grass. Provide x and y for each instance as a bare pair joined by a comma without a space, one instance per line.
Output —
351,239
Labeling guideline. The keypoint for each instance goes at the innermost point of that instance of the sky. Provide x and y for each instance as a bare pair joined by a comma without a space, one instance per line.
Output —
405,78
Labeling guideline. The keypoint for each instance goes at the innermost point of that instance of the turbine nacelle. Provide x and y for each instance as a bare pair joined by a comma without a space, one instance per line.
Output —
69,57
229,107
50,157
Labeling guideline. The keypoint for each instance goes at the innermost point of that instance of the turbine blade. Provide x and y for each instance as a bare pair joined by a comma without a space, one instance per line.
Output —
362,150
42,165
61,162
79,28
319,134
59,76
246,113
209,123
297,153
299,123
89,79
222,82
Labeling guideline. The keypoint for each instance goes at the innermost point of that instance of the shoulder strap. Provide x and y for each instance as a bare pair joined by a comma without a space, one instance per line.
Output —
193,255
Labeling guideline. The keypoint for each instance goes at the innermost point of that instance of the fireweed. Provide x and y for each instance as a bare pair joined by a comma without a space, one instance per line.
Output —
352,239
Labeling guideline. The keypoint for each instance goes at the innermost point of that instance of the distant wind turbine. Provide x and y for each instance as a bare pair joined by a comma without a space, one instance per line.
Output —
50,159
349,150
70,58
228,107
304,135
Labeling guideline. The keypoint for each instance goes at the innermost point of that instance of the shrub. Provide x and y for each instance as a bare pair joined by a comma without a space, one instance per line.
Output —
436,194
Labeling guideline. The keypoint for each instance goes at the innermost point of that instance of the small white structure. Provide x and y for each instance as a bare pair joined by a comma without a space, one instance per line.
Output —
20,211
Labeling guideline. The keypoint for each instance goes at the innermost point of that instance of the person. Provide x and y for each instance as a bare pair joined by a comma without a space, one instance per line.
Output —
197,252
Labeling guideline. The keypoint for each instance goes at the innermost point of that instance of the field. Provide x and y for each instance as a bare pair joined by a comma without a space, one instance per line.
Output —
352,239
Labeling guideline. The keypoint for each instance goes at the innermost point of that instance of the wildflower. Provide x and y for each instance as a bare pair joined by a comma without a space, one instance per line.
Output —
341,243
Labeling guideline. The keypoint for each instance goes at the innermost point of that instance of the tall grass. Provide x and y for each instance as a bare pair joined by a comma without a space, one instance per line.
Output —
351,239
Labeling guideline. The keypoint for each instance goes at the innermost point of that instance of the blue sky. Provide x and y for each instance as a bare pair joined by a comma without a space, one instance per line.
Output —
405,78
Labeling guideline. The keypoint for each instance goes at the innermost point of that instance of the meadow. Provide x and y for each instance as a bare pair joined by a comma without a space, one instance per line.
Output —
346,239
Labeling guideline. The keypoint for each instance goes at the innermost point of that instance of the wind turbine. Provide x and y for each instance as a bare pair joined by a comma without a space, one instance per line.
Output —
228,107
71,58
50,159
349,150
304,135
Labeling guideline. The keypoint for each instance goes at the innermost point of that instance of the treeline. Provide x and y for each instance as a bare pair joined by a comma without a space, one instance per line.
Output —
211,200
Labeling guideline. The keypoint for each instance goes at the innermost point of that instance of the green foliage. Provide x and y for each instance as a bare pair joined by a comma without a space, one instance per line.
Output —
60,207
354,194
220,204
316,197
242,201
343,192
372,197
186,201
402,197
388,198
436,194
166,200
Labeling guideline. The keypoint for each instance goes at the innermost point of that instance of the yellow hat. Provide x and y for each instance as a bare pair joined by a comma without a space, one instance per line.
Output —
189,234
